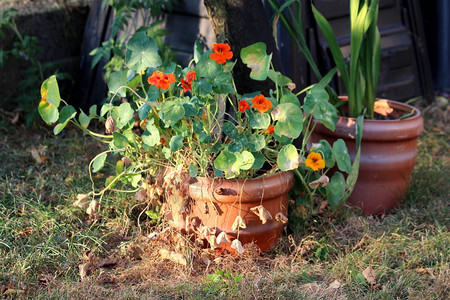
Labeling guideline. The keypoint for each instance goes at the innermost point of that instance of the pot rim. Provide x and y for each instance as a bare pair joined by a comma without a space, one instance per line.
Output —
241,190
379,130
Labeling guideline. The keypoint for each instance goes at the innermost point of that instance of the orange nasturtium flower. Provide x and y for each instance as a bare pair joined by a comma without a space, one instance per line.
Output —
221,53
315,161
161,80
269,130
243,106
186,82
261,103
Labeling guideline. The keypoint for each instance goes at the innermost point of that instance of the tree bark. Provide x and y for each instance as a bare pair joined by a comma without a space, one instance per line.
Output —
241,23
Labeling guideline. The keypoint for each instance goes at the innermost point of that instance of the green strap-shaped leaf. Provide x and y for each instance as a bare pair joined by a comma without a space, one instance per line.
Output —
256,58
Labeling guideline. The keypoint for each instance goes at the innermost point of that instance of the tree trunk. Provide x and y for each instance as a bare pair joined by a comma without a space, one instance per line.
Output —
241,23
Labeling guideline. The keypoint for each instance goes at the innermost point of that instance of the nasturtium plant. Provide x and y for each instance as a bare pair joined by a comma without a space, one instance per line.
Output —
162,117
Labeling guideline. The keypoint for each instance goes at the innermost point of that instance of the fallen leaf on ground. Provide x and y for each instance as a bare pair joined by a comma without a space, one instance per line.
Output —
172,256
92,207
370,275
263,214
38,155
85,269
335,284
422,271
107,263
135,252
25,231
13,291
82,201
279,217
224,247
15,119
106,280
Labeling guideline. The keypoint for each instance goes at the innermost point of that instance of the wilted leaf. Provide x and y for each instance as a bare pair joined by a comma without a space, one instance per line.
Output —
335,284
238,223
382,107
321,182
222,238
110,125
323,206
370,276
38,156
279,217
82,201
85,269
140,195
263,214
237,245
172,256
92,207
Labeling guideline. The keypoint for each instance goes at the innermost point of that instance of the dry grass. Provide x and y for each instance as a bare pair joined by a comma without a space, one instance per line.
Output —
43,238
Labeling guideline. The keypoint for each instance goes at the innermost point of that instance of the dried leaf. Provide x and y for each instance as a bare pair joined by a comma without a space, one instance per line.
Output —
206,231
335,284
237,245
82,201
211,240
172,256
85,269
13,291
140,195
38,155
422,271
110,125
238,223
152,236
135,252
321,182
291,86
126,160
106,280
323,206
15,119
92,207
222,238
26,231
88,256
281,218
263,214
107,263
370,275
382,107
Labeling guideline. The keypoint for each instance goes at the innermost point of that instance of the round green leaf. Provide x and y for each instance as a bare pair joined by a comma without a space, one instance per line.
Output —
84,119
206,67
259,161
98,162
258,120
256,143
176,143
247,160
290,120
171,112
142,52
335,189
50,91
151,136
316,95
256,58
326,113
230,130
288,158
341,156
49,112
228,163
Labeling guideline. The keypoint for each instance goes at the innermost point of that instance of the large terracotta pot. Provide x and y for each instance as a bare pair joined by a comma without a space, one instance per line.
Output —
224,200
388,154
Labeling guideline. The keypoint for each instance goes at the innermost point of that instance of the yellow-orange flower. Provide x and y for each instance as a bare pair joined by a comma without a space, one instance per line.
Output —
261,103
221,53
315,161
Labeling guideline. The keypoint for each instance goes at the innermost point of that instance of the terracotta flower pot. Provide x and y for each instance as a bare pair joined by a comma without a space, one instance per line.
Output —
217,203
388,154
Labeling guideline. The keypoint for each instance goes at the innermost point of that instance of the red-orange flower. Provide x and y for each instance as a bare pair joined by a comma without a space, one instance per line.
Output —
222,52
161,80
186,85
190,76
243,106
261,103
269,130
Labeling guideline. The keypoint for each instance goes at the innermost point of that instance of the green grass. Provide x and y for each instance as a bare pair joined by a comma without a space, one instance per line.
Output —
43,238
